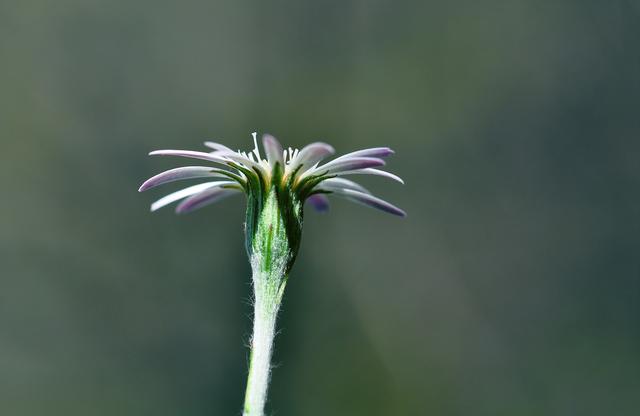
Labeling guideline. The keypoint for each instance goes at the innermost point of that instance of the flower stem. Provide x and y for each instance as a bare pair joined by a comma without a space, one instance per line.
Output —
267,303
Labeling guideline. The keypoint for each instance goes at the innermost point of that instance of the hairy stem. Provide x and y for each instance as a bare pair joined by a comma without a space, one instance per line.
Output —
267,303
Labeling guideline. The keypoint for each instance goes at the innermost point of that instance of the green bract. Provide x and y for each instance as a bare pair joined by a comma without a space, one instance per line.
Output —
274,219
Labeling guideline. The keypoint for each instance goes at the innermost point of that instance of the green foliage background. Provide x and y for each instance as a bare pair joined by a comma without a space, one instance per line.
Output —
511,289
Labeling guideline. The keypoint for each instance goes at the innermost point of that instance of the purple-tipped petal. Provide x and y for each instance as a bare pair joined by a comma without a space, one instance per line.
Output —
332,184
217,146
354,163
371,171
273,150
372,152
371,201
190,154
187,172
204,198
183,193
319,202
310,155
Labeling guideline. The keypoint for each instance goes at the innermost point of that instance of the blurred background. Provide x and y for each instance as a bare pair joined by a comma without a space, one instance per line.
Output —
512,288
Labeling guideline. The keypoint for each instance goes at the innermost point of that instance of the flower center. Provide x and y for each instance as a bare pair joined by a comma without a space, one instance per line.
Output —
254,155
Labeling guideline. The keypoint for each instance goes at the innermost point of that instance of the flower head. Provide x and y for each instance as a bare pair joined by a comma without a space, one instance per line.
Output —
297,171
290,176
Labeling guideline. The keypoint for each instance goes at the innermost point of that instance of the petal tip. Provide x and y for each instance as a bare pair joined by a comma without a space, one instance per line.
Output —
269,138
319,202
145,185
182,208
393,210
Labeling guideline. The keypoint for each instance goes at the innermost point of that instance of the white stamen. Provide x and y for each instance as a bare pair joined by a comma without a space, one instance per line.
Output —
256,151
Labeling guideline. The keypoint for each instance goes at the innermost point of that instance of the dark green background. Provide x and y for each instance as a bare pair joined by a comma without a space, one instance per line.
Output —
511,289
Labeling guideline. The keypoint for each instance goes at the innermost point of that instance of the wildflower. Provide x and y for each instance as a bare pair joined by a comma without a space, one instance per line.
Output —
277,187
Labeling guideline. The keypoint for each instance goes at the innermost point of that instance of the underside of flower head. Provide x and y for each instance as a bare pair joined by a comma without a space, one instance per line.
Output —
294,174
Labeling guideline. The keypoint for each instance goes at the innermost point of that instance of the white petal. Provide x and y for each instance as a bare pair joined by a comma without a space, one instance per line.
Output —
204,198
273,149
211,157
332,184
183,193
309,156
372,152
352,163
243,160
371,201
186,172
217,146
371,171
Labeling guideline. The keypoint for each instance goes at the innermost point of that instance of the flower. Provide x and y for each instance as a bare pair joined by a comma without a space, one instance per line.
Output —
297,171
276,188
